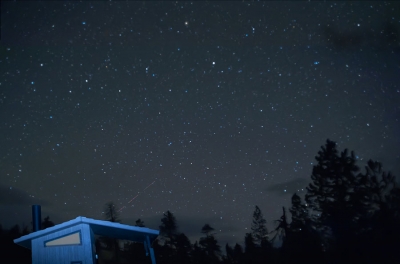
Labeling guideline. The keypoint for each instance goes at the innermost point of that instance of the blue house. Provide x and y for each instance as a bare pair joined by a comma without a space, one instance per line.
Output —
73,242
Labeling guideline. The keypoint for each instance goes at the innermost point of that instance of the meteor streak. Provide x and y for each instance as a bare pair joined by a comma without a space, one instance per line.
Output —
149,185
121,208
131,200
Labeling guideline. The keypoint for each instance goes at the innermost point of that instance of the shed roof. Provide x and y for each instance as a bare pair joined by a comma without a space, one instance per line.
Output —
99,227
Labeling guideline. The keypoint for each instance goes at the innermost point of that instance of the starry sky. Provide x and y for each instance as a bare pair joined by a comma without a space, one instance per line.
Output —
205,109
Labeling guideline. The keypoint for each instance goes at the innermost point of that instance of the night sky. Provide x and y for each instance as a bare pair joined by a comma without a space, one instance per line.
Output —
205,109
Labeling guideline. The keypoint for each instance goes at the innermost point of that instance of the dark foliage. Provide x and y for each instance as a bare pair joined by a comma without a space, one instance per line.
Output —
348,216
353,211
10,250
107,243
168,228
110,212
207,229
139,223
209,245
46,223
259,227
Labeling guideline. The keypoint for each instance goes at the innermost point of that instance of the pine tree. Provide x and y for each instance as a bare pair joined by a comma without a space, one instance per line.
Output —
198,255
357,214
238,253
209,245
258,227
183,249
228,258
233,255
111,213
379,231
139,223
299,214
302,243
207,229
46,223
336,197
166,251
169,228
331,193
282,229
250,249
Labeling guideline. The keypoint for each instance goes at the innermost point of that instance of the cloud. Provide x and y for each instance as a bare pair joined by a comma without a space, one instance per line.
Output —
191,226
15,207
290,187
15,196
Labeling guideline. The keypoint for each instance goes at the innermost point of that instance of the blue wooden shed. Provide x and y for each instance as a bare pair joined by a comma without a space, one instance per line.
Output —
73,242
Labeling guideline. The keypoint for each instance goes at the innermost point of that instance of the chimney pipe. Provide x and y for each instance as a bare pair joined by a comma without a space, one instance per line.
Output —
36,217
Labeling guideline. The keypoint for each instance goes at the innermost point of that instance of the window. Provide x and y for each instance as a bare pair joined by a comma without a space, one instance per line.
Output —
70,239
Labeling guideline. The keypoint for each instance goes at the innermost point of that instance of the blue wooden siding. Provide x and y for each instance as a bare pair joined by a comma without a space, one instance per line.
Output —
64,254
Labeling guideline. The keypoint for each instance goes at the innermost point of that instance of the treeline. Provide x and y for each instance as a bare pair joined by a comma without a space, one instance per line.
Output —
13,253
348,215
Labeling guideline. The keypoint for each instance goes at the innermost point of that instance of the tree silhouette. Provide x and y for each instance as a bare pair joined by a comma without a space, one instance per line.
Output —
258,237
209,245
331,195
183,249
106,243
281,230
357,214
233,255
348,217
134,253
165,246
299,214
11,252
47,223
139,223
207,229
258,227
379,230
168,228
25,230
302,243
238,253
111,213
198,256
229,258
250,249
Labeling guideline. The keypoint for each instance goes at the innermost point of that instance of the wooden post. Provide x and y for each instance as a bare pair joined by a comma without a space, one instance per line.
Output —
152,256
